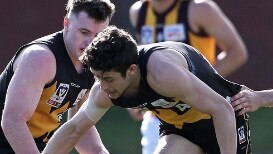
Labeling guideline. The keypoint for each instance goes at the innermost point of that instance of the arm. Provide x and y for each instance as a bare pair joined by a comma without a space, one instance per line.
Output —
194,92
91,141
34,67
133,13
133,16
207,16
71,132
249,100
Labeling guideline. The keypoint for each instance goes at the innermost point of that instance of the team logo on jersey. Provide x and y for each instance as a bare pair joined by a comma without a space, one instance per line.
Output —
59,95
241,134
175,32
146,34
163,103
179,107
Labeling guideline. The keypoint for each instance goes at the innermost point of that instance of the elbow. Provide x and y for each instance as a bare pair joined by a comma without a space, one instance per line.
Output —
242,55
224,110
6,124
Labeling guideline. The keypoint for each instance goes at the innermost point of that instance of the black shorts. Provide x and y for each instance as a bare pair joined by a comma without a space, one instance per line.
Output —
202,133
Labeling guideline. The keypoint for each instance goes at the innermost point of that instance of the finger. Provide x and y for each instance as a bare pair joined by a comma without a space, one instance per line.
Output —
238,101
238,107
243,111
237,96
241,106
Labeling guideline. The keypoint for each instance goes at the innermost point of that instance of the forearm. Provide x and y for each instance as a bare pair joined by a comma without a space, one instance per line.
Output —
63,140
19,136
225,129
230,61
265,98
91,143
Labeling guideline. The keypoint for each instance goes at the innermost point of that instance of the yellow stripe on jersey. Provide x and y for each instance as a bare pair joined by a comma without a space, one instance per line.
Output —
151,21
43,122
206,45
172,17
178,121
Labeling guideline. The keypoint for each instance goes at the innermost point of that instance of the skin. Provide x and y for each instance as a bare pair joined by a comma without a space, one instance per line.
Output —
189,89
207,16
35,67
204,15
249,100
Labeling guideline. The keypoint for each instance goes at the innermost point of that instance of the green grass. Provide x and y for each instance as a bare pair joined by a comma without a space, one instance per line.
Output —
261,126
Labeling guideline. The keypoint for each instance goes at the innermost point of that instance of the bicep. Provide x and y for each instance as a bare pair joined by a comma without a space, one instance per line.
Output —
133,13
185,86
197,94
25,88
215,23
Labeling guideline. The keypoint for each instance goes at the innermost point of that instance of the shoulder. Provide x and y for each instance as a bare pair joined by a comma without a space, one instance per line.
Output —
136,6
203,13
39,54
134,11
164,71
38,59
203,6
162,64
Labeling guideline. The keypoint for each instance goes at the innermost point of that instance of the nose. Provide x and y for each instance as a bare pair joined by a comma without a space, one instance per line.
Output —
103,86
88,40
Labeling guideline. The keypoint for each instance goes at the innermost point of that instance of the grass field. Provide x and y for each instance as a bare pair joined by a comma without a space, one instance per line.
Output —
121,135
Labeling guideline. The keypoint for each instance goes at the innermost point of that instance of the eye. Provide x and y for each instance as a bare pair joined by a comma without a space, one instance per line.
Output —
109,80
84,32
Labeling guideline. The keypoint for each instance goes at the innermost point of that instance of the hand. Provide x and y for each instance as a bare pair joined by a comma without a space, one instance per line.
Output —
245,101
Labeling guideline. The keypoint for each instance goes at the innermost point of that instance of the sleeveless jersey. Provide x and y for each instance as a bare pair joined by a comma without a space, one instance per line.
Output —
179,118
168,110
172,25
65,91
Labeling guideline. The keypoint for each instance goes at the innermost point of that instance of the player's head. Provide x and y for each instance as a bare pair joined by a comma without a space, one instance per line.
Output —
83,21
113,49
99,10
112,57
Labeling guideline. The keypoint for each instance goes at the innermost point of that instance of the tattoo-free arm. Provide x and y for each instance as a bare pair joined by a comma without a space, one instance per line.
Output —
34,67
183,85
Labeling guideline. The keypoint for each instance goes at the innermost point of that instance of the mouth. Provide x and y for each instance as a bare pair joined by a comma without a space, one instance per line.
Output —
111,94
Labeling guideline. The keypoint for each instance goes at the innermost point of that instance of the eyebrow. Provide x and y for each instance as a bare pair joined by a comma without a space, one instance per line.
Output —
102,77
85,29
105,78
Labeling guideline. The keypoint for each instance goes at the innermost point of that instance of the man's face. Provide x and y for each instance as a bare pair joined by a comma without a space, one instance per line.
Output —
79,31
112,82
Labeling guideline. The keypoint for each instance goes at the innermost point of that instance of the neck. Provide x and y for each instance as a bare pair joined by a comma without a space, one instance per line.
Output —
161,6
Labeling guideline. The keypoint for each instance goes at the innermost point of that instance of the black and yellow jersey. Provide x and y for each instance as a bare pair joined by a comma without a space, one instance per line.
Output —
65,91
172,25
177,113
177,117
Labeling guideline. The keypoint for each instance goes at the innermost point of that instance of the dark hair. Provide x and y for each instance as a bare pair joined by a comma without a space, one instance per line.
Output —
100,10
112,49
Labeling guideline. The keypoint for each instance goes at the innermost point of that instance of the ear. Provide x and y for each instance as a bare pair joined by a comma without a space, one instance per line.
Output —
132,69
66,23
